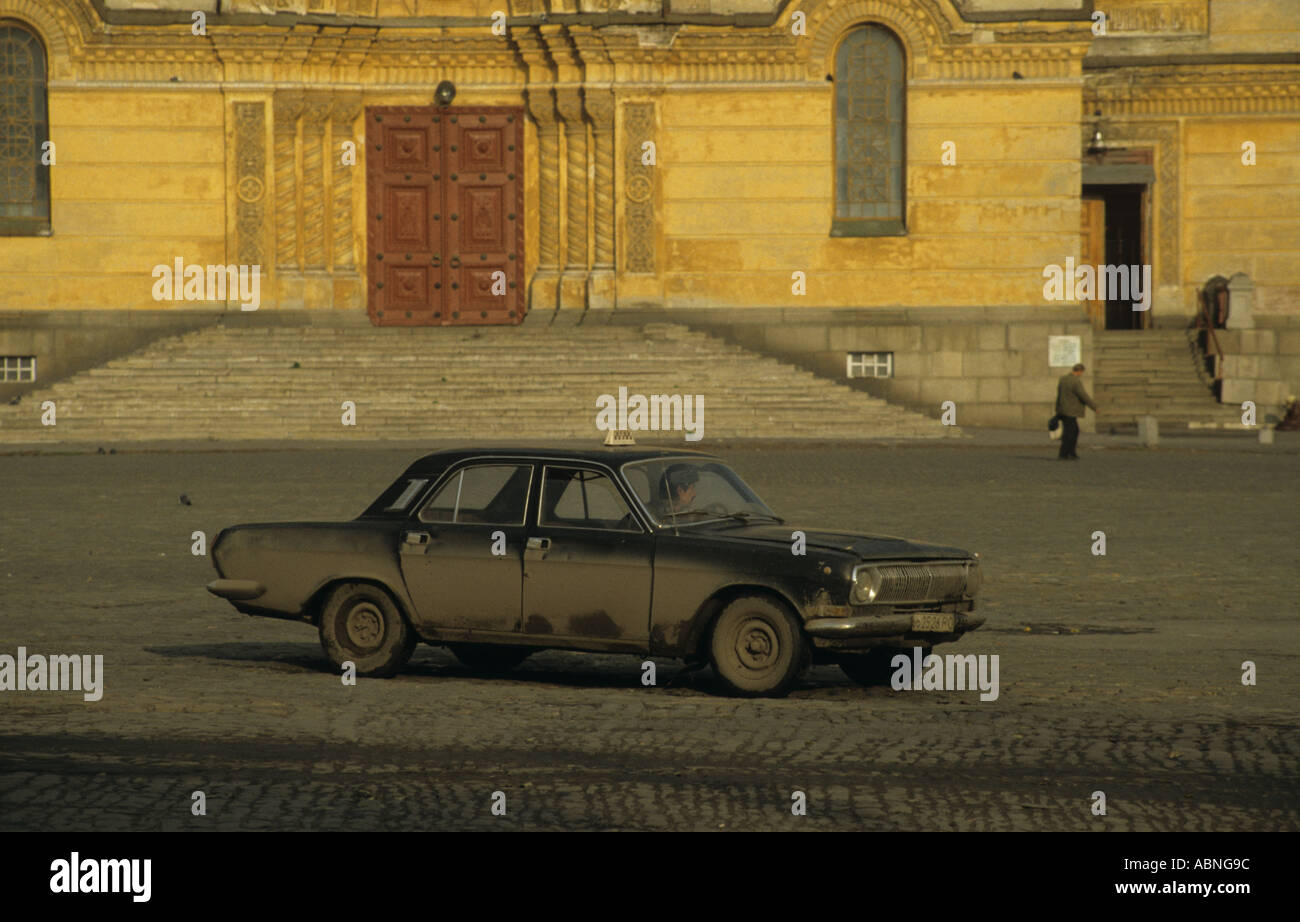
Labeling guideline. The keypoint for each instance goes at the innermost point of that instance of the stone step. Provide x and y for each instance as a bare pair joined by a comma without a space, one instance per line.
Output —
504,382
1151,373
1172,392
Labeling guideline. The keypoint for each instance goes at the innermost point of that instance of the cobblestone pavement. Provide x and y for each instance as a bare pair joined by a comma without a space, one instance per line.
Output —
1119,674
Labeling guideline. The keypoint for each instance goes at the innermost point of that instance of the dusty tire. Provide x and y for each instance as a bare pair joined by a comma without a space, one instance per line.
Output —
483,657
362,624
757,648
874,667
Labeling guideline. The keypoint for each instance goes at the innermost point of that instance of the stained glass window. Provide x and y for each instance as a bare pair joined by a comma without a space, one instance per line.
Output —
24,129
870,84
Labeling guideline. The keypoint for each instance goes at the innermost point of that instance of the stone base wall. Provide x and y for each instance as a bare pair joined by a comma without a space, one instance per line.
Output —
992,362
1262,364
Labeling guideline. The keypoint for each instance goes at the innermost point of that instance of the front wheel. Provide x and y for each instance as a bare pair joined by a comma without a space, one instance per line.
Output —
360,623
757,648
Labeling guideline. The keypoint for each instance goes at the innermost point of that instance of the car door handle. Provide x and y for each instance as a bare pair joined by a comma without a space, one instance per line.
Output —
416,537
539,544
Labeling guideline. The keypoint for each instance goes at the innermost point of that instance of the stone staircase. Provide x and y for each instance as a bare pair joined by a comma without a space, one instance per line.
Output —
1153,373
527,382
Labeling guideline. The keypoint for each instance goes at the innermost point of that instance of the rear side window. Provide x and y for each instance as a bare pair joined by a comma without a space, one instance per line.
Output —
411,491
483,494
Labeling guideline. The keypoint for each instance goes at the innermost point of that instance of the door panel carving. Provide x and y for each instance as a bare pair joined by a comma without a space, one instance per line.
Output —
445,199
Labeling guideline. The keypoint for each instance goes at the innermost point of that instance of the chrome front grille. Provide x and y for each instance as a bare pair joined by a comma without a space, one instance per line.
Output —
921,582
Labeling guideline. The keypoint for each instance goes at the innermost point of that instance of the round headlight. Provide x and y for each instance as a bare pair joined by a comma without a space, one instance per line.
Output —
866,585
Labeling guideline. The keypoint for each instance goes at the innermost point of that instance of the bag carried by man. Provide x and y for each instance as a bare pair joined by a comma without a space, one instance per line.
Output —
1054,428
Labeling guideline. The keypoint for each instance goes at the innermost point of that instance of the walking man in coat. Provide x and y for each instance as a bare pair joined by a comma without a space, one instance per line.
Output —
1071,398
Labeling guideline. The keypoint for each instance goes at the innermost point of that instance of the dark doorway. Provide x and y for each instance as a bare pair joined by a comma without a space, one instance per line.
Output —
1121,240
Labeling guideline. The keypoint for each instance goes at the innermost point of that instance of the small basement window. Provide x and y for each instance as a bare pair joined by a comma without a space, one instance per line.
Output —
870,364
17,368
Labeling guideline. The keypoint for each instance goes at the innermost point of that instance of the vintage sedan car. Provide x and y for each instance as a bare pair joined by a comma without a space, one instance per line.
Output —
498,553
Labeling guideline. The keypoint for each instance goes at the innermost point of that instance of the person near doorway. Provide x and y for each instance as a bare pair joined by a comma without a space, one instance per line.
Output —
1071,398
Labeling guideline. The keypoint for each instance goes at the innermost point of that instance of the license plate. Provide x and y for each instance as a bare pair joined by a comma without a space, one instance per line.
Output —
934,622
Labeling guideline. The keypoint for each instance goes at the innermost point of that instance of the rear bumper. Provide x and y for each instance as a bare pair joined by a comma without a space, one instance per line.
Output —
237,590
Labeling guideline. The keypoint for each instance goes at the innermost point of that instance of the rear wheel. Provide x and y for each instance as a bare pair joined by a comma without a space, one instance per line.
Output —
360,623
875,666
757,648
490,657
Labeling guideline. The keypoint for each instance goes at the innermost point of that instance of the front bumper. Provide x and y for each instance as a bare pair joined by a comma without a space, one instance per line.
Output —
896,629
237,590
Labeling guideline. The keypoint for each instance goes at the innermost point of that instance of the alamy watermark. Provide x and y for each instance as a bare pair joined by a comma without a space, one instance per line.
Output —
658,412
953,672
1095,283
103,875
218,283
55,672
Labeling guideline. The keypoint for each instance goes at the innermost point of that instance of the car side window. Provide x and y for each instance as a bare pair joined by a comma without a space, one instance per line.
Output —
639,480
482,494
577,498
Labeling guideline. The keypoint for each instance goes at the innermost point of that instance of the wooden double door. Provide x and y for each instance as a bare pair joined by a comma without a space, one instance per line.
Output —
444,222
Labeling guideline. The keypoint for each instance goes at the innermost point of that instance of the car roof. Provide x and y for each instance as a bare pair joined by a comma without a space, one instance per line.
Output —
611,455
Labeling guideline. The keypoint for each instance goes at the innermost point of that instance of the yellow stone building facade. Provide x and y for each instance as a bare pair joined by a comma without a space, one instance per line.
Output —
804,170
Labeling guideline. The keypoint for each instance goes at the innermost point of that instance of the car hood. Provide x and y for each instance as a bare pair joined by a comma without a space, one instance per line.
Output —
865,547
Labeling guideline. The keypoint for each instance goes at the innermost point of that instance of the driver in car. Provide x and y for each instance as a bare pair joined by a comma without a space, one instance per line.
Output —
680,481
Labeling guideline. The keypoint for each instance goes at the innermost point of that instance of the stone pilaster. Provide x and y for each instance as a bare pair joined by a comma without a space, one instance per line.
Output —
343,116
598,100
288,107
573,281
543,289
315,240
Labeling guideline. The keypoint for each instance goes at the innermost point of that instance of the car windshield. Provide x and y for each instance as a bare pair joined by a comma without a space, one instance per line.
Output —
688,491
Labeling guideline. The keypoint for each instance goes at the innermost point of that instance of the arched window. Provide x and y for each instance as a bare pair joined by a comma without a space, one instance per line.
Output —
24,129
870,170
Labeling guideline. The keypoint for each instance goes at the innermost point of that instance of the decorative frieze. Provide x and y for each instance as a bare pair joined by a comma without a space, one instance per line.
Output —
1156,17
405,56
250,182
1165,91
1003,62
638,189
